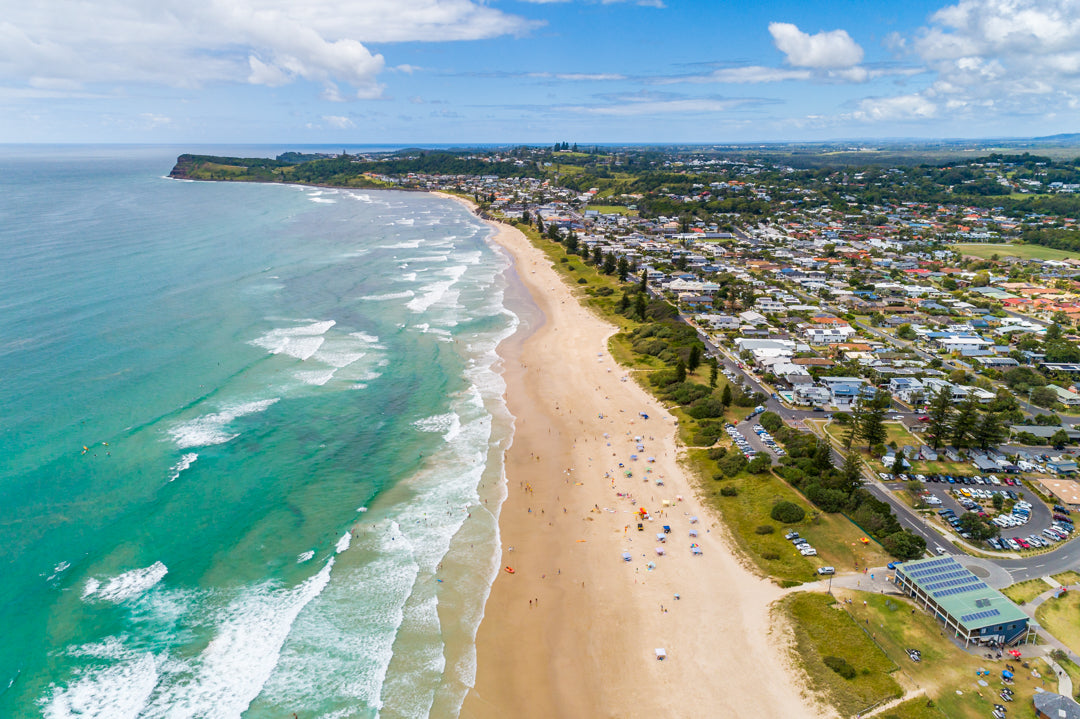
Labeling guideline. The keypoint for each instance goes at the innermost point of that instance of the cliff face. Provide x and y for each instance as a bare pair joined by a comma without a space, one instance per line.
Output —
333,172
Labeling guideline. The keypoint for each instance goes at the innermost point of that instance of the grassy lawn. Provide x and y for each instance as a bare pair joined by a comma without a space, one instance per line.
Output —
822,629
613,210
918,708
1023,592
1066,579
1024,252
945,668
1061,617
835,538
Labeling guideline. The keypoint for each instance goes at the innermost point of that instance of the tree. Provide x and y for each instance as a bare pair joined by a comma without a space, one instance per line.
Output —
639,307
998,501
974,525
1053,332
1043,397
853,428
624,303
941,411
904,545
822,456
732,463
898,463
597,256
539,224
623,268
725,396
714,373
1059,439
872,425
693,360
609,264
966,422
771,421
905,332
644,286
989,431
787,512
851,472
759,464
680,371
571,243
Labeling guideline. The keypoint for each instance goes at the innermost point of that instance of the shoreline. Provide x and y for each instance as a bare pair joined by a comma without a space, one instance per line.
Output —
573,631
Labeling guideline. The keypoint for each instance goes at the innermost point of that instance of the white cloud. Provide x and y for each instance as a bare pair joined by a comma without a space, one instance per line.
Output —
338,122
991,58
189,43
832,49
749,74
577,76
647,104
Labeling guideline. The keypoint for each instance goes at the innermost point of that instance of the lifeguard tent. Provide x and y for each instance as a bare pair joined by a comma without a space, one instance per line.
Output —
970,609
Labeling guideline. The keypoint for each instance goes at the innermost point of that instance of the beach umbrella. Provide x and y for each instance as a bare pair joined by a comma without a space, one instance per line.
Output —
660,551
1005,673
693,532
693,520
652,459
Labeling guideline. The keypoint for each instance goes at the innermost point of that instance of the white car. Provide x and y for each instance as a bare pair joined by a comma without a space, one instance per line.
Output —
808,552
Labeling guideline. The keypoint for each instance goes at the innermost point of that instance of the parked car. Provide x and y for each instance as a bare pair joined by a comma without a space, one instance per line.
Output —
826,570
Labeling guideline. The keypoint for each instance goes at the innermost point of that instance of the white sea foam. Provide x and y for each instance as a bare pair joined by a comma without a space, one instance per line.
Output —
186,461
59,569
227,676
323,200
407,277
211,429
449,425
118,691
127,585
300,342
389,296
315,377
435,291
406,245
407,221
305,556
343,543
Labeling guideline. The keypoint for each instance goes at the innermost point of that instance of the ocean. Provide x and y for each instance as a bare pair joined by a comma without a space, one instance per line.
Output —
252,443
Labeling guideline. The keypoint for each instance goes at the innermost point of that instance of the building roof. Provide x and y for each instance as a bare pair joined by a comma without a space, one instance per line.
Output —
968,599
1056,706
1067,490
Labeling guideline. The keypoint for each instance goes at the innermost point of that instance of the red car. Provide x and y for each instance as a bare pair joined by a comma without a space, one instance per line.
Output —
924,418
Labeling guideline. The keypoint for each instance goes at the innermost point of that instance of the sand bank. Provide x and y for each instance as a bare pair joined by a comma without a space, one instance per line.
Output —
573,631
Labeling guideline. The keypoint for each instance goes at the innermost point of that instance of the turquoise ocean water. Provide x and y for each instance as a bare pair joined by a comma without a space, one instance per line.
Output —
246,434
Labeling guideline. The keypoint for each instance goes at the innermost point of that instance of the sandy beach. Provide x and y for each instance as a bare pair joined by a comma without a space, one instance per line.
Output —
573,631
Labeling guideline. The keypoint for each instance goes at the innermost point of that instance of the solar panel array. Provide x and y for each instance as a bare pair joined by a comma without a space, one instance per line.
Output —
980,615
959,590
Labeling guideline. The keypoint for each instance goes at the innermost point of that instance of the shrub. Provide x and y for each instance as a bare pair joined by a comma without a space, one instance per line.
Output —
840,666
706,407
582,281
765,529
728,491
717,453
770,421
706,437
759,464
604,291
771,556
787,512
563,259
732,464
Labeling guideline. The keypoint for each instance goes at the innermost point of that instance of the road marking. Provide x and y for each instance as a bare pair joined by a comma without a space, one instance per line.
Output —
1039,565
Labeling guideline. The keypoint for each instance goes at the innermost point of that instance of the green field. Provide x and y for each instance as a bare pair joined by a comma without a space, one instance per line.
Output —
1024,252
1022,592
613,210
1059,616
823,629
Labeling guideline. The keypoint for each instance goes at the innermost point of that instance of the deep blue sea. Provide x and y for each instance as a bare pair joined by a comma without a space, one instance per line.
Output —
246,435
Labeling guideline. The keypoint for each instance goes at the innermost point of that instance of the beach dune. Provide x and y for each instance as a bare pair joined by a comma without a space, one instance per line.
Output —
573,631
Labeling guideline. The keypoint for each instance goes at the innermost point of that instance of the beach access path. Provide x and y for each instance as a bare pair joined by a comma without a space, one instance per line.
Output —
572,632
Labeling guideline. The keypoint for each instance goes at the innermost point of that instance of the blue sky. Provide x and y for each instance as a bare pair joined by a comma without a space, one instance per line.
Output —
469,71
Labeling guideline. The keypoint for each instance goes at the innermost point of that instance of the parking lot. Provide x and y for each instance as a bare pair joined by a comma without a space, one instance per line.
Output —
1030,522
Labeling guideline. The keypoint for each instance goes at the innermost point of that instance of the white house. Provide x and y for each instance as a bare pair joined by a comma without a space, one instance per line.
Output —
907,389
817,335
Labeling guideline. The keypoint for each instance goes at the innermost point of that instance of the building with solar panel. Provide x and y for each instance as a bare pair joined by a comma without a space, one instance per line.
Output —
970,609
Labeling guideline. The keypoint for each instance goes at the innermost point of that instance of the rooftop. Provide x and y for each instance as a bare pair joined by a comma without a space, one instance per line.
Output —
968,599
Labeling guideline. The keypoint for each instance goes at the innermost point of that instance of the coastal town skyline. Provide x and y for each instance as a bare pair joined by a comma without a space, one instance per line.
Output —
460,71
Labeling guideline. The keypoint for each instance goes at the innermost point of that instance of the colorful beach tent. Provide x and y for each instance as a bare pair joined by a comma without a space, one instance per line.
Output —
626,556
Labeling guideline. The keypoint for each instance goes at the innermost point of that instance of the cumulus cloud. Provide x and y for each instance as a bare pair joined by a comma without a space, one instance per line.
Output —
196,42
338,122
991,58
824,50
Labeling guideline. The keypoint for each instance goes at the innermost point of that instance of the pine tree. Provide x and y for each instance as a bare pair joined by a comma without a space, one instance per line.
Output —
854,426
693,361
872,425
898,463
623,269
725,397
680,371
851,472
539,224
989,432
624,303
822,456
597,256
714,373
644,286
609,264
941,412
640,307
966,422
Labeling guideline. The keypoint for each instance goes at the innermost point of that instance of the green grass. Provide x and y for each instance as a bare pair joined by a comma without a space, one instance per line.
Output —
945,667
1023,592
1068,578
1061,617
822,629
1024,252
613,210
835,538
916,708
